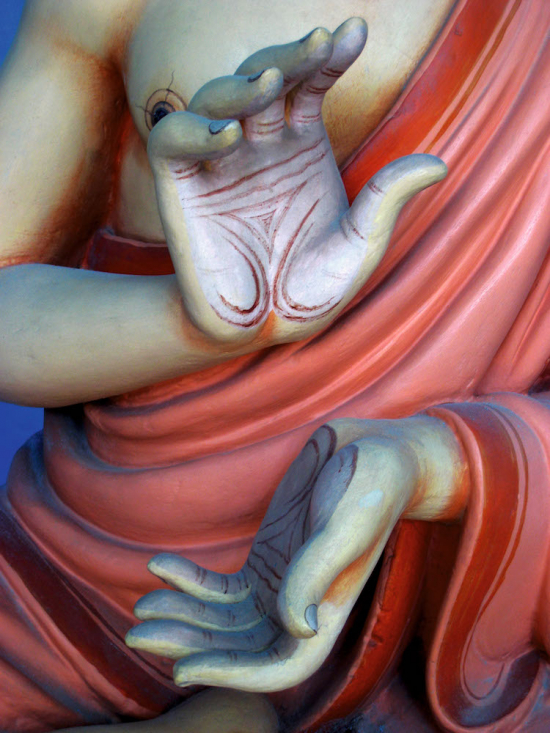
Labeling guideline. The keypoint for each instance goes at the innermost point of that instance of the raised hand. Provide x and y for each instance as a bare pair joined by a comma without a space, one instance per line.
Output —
272,624
255,213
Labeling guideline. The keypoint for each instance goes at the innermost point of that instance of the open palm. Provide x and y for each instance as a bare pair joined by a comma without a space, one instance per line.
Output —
252,203
257,223
272,624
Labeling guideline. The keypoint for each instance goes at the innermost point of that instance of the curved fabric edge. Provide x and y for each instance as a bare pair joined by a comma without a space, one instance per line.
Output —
484,671
374,639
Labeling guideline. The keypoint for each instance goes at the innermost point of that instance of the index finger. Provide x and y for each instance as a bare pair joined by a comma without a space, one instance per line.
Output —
205,585
237,97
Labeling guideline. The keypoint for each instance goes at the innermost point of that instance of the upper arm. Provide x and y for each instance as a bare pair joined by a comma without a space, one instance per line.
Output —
61,112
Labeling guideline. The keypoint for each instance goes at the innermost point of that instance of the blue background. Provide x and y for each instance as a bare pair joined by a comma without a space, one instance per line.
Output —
16,423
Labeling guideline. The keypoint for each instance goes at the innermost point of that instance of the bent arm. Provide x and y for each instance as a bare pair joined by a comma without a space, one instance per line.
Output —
67,335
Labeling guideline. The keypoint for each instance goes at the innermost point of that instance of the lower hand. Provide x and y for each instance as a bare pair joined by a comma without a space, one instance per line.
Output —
273,623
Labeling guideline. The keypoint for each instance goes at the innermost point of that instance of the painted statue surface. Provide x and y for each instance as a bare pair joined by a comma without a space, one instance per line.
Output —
306,442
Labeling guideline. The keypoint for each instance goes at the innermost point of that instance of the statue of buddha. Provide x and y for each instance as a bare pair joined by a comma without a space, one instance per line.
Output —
328,437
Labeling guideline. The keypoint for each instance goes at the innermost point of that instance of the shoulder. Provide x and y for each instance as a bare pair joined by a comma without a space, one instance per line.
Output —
100,28
61,115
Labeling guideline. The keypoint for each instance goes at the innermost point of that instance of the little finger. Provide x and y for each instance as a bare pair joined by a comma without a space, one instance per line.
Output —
349,41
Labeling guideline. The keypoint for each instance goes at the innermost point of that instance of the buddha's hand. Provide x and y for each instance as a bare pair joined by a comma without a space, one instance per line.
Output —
252,203
273,623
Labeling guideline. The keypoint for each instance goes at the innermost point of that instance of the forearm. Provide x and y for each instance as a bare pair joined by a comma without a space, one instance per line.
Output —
68,336
211,711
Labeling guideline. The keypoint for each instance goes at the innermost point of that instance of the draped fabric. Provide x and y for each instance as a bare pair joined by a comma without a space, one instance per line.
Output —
456,311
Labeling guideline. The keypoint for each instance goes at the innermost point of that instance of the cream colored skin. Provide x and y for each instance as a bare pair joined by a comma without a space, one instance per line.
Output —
68,336
317,548
62,103
212,711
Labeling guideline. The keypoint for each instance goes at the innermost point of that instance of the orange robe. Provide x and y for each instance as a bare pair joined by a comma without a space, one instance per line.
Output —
457,311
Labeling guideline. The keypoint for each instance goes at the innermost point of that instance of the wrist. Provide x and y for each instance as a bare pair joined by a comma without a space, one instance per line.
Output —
442,488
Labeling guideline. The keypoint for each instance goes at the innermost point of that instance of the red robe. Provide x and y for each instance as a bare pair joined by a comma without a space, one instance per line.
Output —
456,312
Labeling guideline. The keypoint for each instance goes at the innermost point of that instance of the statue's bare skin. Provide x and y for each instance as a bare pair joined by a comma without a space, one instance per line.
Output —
78,162
264,236
265,251
272,624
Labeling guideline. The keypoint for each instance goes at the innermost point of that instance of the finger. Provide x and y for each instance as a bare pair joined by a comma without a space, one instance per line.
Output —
369,222
177,639
284,664
349,41
353,512
266,671
341,262
237,97
205,585
184,138
176,606
296,61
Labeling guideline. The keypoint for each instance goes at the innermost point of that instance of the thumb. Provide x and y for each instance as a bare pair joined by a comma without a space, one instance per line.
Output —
351,525
374,212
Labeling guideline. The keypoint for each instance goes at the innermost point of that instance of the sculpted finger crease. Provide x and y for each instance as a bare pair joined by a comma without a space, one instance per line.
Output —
349,41
184,174
177,639
268,126
263,223
206,585
177,606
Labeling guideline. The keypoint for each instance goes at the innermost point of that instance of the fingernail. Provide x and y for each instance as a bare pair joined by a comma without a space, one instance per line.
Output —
217,126
311,617
185,683
255,77
304,39
130,639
